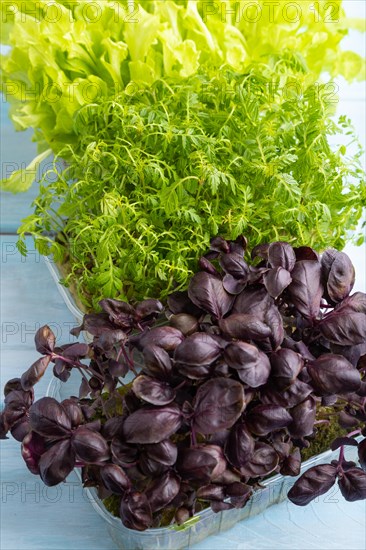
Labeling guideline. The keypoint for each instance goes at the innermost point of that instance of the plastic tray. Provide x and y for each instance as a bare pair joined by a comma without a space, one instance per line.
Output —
63,290
207,522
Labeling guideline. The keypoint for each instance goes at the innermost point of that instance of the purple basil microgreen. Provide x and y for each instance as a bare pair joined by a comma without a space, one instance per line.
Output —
314,482
303,418
135,511
352,484
251,359
56,463
162,491
306,289
264,419
252,365
45,340
152,425
281,254
198,349
207,292
90,446
338,274
276,280
218,405
153,391
239,446
115,479
33,447
35,372
331,374
184,322
48,418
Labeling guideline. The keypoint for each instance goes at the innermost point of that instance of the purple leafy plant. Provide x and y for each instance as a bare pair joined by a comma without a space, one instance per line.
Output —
230,389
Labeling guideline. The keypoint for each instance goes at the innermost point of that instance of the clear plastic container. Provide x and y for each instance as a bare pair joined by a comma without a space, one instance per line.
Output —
207,522
63,290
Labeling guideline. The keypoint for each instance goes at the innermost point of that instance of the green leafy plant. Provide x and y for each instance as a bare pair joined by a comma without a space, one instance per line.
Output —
161,170
65,55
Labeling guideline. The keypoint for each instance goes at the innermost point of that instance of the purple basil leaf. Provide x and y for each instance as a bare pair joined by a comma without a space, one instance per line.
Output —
217,453
76,350
356,303
244,327
12,385
135,511
346,420
90,446
303,416
305,253
273,319
205,265
192,372
345,328
211,492
117,368
253,365
152,425
153,391
94,323
276,280
184,322
45,340
165,452
264,419
199,349
166,337
289,397
218,244
122,453
195,464
340,441
207,292
281,254
338,274
253,301
314,482
61,370
362,454
20,429
163,490
150,467
260,251
291,464
234,265
179,302
115,479
148,307
217,405
120,313
35,373
157,362
48,418
33,447
56,463
263,461
233,286
286,365
353,484
306,289
239,446
332,374
73,411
